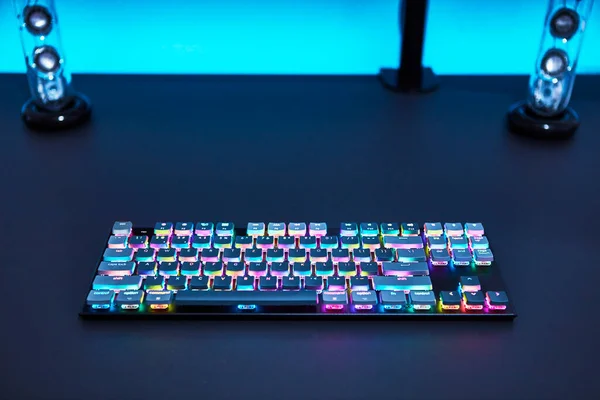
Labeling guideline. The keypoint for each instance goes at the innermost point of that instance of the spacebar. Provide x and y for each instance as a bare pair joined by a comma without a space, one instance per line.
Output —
226,297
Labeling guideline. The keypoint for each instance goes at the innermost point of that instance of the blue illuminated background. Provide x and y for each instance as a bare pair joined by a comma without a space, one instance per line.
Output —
291,36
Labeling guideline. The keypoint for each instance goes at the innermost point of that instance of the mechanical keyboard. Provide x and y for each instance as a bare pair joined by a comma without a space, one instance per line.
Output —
278,269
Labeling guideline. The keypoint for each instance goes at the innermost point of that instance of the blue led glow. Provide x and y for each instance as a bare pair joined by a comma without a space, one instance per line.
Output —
286,36
246,307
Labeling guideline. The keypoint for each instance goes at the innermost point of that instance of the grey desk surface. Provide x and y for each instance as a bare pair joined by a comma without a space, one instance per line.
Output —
298,148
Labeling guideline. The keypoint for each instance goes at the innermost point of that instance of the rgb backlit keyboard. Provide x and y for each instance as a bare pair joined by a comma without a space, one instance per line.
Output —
390,269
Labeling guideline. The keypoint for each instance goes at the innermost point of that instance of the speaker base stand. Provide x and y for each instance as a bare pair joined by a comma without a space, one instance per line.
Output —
391,79
522,121
39,119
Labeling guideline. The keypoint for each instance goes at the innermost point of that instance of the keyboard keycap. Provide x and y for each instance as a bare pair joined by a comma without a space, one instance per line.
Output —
369,268
264,298
436,242
458,242
402,242
473,300
166,255
317,229
209,255
334,297
347,269
245,283
440,257
364,300
313,283
410,229
286,242
267,283
243,242
235,269
199,282
359,283
370,242
390,228
138,242
265,242
361,255
469,283
324,268
117,242
122,228
105,282
189,255
392,300
180,242
479,242
433,229
483,256
147,268
257,269
318,255
297,229
204,228
340,255
255,229
290,283
336,283
408,255
168,268
232,255
116,268
280,268
253,255
474,229
154,283
350,242
461,257
177,283
159,299
302,268
163,228
130,299
118,255
405,269
369,229
307,242
184,228
496,300
276,229
329,242
225,229
382,255
190,268
453,229
159,242
223,242
213,268
450,300
402,283
275,255
422,299
348,229
297,255
142,255
222,283
100,299
201,242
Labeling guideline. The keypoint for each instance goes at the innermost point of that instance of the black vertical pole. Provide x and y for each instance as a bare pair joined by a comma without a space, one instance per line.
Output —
411,76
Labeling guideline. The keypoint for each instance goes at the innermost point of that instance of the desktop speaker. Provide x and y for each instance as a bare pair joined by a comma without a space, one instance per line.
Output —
546,112
54,104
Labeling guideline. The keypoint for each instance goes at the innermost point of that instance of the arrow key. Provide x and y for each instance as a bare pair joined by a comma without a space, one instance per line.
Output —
469,284
450,300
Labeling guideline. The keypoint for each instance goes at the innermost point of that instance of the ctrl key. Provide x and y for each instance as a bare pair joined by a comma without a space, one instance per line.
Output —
130,299
159,299
100,299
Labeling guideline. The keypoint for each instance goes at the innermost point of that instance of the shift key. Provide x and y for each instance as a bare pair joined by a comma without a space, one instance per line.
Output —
107,282
402,283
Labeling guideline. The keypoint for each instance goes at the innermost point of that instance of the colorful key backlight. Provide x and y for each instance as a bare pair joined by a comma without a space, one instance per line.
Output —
387,269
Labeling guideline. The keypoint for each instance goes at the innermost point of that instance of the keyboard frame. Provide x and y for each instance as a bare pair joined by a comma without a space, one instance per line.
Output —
441,279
